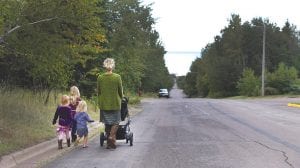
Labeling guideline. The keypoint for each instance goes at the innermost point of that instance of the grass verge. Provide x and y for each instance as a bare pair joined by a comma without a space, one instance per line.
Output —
25,120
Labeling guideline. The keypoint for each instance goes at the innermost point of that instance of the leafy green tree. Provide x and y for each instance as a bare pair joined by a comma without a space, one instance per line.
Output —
202,85
224,60
190,85
180,80
156,75
252,44
238,47
136,46
44,40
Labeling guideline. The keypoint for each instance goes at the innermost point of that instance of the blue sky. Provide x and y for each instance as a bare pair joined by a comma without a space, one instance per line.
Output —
189,25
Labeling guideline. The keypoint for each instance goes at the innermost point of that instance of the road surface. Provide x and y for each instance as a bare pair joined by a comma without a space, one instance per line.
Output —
201,133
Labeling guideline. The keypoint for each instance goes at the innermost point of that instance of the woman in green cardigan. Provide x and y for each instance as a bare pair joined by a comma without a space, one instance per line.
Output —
110,93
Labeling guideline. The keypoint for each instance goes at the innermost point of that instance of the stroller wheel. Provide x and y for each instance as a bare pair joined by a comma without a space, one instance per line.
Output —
131,139
128,137
102,137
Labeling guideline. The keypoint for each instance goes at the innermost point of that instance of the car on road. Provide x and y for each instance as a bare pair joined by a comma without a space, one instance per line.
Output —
163,93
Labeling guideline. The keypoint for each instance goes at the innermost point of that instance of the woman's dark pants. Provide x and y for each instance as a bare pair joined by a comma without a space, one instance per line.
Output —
73,131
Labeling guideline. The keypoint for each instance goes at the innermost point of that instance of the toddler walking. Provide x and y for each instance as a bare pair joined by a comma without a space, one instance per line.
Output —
81,118
63,114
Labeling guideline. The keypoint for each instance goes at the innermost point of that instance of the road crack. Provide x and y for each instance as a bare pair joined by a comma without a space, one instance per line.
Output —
286,160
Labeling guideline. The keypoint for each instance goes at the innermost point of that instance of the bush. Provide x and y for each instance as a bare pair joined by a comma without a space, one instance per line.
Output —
283,78
271,91
213,94
248,85
295,89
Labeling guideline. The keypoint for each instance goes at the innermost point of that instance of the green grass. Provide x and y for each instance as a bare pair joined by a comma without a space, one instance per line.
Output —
238,97
149,95
93,110
133,98
25,120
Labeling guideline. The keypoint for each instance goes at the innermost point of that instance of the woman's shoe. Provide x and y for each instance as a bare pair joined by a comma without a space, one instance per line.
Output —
111,143
108,145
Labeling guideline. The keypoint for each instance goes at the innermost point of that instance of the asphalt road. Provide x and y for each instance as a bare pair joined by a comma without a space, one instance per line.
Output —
201,133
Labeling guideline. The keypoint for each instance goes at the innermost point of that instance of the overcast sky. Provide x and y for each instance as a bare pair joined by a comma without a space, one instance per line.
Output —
187,26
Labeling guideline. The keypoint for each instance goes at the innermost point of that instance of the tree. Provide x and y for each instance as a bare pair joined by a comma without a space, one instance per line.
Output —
136,46
240,47
224,60
202,85
44,40
190,87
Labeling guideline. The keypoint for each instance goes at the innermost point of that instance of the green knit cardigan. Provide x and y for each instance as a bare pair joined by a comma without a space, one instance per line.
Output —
110,91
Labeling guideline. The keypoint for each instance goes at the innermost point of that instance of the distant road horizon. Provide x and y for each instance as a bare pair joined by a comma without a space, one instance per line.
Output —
179,62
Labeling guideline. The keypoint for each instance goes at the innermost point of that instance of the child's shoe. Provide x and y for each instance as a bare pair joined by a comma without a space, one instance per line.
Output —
68,142
59,144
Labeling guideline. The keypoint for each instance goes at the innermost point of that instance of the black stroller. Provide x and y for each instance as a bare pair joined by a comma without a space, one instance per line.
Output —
123,129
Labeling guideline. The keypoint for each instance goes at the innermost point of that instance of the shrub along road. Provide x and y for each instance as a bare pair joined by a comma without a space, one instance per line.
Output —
181,132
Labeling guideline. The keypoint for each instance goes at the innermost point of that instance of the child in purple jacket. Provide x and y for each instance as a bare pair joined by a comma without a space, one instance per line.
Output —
63,114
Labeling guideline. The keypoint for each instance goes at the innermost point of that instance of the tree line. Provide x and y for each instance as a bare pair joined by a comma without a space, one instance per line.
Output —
232,64
53,44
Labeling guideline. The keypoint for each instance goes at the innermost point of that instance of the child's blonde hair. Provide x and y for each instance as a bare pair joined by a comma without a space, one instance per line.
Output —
74,94
65,100
82,106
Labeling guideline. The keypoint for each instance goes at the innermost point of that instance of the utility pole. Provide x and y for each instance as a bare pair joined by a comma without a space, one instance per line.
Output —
263,63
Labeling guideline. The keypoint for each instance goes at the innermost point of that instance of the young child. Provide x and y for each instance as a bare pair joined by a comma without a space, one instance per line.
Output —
82,118
63,114
74,100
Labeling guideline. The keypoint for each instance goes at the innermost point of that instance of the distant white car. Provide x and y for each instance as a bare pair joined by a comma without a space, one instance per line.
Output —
163,93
